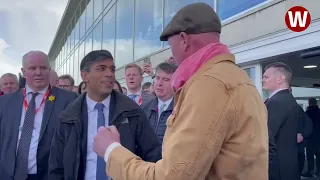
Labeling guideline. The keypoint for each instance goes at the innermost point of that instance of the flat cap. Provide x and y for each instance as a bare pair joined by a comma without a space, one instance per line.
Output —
195,18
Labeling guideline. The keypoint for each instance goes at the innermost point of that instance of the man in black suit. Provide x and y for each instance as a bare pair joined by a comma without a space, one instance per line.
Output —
28,119
283,121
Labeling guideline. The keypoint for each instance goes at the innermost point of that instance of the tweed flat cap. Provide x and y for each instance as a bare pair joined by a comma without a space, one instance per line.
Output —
195,18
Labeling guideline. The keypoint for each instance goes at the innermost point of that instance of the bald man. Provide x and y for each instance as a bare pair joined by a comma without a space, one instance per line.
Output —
28,119
53,78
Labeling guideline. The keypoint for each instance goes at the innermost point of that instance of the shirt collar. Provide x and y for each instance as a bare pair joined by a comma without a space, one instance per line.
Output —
43,91
275,92
139,93
91,103
167,102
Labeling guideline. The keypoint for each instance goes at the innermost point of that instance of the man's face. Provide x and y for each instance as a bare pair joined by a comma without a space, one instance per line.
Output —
101,77
271,80
133,78
8,84
178,48
36,71
65,84
162,85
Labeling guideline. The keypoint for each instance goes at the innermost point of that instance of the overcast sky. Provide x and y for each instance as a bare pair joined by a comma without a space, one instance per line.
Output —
26,25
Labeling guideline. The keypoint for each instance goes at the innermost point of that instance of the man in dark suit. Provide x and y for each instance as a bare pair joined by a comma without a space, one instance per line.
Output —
28,119
72,155
283,121
133,75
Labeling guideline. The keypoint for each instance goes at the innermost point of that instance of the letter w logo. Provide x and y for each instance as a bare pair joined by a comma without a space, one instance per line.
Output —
298,19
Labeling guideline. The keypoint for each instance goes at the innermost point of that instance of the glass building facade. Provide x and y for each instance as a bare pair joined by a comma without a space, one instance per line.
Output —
129,29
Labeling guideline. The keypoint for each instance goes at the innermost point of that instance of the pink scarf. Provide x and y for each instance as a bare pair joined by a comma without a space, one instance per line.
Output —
191,65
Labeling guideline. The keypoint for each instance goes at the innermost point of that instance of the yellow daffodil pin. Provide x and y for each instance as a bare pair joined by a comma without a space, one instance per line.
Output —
52,98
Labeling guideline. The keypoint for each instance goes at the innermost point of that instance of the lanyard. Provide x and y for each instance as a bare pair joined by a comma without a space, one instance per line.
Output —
25,101
140,101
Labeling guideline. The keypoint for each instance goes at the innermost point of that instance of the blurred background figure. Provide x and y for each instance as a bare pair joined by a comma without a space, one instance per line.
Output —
9,83
124,90
146,87
117,87
66,82
82,88
75,89
53,78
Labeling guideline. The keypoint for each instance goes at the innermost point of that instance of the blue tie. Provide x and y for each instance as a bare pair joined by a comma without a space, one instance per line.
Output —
101,165
133,97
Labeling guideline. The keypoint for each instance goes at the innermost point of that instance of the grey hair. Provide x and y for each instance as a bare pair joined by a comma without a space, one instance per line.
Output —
92,57
8,75
24,57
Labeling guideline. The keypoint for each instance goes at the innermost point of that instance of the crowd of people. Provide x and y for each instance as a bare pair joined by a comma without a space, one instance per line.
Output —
200,118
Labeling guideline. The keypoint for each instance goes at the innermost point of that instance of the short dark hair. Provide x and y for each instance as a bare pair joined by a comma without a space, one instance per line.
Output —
146,85
68,77
80,87
166,67
282,68
119,86
92,57
312,102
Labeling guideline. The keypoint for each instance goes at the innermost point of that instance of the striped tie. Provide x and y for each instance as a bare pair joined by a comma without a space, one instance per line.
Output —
21,166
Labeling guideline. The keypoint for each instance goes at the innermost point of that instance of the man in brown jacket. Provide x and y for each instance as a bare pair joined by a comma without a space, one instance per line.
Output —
218,128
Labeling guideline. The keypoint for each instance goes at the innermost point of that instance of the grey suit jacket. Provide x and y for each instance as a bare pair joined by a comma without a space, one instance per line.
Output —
10,116
146,97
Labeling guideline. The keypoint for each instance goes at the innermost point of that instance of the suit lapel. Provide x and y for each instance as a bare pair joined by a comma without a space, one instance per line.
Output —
16,108
47,111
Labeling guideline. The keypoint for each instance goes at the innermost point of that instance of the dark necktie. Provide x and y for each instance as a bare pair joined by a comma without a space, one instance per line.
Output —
101,165
21,166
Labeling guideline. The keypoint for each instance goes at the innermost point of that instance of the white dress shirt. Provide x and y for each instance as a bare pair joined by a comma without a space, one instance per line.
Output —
275,92
160,103
139,93
91,164
32,159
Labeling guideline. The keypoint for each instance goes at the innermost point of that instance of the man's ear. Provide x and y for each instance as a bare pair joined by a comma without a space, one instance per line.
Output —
84,76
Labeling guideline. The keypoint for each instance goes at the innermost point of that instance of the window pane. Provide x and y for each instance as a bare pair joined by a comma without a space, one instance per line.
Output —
81,53
251,73
97,36
148,27
109,30
171,8
124,34
106,3
76,33
82,24
88,45
71,66
89,14
228,8
76,66
72,39
98,5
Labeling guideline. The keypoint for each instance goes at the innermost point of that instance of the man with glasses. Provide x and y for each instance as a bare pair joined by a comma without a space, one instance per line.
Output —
66,82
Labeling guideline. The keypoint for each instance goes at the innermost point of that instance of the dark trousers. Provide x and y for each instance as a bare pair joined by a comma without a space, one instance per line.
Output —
313,150
33,177
301,159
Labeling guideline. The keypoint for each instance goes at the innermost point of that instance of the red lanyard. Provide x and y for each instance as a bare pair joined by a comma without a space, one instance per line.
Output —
25,101
140,101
